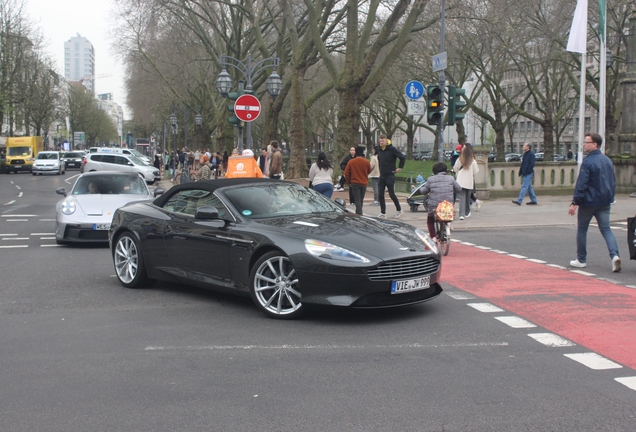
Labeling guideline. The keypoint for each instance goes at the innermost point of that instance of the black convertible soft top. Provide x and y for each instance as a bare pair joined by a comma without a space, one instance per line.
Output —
211,185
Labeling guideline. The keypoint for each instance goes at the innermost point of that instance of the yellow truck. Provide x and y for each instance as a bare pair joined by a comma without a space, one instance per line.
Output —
21,152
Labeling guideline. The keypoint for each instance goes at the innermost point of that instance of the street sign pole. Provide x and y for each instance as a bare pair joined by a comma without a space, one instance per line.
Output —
442,83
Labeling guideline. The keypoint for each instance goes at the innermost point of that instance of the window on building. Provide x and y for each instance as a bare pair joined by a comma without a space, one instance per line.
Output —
588,124
571,126
516,127
523,127
536,127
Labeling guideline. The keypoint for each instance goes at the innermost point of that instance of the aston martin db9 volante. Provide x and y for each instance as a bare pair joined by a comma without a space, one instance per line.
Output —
84,215
286,246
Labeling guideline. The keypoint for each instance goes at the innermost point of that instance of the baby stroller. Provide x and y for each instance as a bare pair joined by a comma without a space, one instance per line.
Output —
416,199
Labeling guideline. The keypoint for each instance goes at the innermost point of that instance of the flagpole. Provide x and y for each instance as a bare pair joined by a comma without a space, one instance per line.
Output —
579,153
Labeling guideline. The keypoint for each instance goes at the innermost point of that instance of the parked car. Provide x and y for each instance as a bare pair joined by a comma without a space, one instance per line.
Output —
73,159
559,158
120,162
48,162
492,157
85,214
539,157
286,246
512,157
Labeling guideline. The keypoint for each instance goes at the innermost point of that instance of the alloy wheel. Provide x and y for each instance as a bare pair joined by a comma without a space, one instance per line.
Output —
275,287
126,259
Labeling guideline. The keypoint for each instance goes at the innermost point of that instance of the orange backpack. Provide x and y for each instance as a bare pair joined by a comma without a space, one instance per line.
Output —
445,211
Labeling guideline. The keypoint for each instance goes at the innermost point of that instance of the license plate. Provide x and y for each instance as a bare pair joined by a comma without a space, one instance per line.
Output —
101,227
398,287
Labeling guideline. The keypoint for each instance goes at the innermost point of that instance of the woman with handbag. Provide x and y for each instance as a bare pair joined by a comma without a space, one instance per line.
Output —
466,168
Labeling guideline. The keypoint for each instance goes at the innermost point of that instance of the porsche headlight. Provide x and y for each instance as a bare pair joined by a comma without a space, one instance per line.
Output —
327,250
429,242
68,207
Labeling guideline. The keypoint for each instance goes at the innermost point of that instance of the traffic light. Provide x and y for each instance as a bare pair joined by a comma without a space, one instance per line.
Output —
434,104
455,104
233,96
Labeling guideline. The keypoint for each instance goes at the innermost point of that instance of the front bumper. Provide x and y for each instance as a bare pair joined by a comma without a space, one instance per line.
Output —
75,232
45,169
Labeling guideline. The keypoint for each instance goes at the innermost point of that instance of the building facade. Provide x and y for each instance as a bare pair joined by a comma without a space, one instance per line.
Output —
79,61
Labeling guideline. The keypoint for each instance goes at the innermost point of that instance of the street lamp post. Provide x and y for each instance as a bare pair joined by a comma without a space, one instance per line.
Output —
198,120
249,70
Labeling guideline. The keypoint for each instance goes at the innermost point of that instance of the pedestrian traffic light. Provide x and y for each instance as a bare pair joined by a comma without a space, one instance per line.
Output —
434,104
455,104
233,96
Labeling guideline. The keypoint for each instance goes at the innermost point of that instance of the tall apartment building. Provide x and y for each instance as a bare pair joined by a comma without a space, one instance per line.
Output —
79,61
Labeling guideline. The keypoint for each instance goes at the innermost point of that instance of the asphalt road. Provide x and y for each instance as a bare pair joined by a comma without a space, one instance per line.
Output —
80,352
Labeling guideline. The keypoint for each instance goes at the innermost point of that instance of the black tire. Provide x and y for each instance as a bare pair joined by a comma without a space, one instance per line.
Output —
274,287
444,239
129,262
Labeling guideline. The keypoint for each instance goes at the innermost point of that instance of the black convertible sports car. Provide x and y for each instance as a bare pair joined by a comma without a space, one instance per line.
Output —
287,246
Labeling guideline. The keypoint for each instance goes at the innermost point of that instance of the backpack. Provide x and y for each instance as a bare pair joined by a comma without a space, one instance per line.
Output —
445,211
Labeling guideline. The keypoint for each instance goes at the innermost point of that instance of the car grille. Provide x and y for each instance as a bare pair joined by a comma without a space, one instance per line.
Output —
17,162
405,268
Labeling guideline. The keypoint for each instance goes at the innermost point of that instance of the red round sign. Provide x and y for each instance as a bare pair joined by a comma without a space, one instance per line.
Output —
247,108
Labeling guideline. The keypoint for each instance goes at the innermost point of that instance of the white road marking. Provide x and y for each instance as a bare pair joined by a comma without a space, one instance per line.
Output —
630,286
459,296
313,347
16,238
557,266
50,245
485,307
47,238
483,247
47,220
498,251
15,215
517,256
16,220
14,246
593,361
455,240
551,340
7,235
538,261
18,187
468,244
581,272
20,194
515,322
42,234
10,202
630,382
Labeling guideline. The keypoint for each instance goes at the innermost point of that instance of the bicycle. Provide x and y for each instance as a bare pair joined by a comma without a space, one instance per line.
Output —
443,234
185,175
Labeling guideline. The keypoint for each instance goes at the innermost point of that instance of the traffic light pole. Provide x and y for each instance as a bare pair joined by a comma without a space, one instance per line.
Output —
442,83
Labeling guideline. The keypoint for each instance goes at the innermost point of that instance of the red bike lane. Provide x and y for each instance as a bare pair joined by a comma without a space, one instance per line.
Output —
598,315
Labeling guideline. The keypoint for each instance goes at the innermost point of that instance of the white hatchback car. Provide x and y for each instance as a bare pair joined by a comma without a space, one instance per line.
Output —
48,162
122,163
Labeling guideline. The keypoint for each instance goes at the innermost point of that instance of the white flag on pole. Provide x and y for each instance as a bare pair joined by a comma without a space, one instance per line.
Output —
577,42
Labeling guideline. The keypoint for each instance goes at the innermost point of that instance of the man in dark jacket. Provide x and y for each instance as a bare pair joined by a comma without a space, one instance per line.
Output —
387,155
526,172
594,195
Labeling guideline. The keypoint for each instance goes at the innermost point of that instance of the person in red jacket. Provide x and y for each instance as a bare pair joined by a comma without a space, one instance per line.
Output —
357,174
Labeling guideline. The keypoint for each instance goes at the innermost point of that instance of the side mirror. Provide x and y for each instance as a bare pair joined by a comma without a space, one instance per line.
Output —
129,163
61,191
207,212
341,203
158,192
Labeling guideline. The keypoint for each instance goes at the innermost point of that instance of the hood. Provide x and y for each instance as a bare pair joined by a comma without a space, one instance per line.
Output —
105,205
368,236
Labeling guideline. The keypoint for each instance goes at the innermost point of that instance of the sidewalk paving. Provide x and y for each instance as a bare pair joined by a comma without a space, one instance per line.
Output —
494,213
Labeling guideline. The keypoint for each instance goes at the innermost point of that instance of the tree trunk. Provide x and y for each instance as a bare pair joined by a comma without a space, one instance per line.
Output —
297,165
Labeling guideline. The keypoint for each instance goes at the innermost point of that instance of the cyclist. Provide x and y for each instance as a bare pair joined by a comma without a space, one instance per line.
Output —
439,187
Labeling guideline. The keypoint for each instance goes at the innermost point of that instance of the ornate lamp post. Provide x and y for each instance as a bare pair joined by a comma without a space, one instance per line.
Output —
198,120
249,70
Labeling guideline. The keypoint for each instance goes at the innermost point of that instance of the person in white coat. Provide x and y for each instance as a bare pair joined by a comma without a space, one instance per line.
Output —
466,168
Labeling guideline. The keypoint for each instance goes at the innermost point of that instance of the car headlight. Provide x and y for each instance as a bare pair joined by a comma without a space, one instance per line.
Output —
429,242
327,250
68,207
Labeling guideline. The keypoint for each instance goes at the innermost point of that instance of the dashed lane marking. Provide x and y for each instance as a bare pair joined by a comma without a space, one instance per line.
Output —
538,261
629,382
7,235
13,246
485,307
483,247
515,322
16,238
459,296
581,272
51,245
47,238
47,220
20,194
557,266
551,340
498,251
322,347
42,234
16,220
593,361
16,215
517,256
9,203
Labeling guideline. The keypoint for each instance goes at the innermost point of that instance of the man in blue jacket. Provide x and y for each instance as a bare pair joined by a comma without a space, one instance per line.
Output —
593,195
526,172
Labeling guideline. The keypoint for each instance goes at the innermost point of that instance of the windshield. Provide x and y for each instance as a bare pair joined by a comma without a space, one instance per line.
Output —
137,161
47,156
19,151
137,153
264,201
130,184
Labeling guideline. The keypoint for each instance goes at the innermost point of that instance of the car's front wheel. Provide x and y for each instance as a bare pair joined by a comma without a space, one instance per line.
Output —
129,262
275,287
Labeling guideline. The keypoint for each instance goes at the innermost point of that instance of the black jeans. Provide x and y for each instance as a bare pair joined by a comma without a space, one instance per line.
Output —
358,192
388,182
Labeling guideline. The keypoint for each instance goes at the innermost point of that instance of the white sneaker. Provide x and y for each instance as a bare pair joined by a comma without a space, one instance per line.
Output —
478,205
468,215
616,264
398,214
339,189
577,264
382,216
461,218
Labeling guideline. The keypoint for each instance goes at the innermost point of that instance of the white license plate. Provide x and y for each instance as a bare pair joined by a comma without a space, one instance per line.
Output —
101,227
398,287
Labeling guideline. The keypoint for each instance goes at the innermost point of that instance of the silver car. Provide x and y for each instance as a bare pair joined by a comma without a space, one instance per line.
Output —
85,214
48,162
120,162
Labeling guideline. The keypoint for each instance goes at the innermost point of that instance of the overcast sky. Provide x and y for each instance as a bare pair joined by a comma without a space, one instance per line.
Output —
59,20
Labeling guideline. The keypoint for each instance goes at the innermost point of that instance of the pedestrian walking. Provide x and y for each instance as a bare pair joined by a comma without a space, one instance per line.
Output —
197,159
387,156
205,168
439,187
321,175
593,196
526,172
172,164
276,164
262,162
343,179
357,173
465,167
375,177
226,157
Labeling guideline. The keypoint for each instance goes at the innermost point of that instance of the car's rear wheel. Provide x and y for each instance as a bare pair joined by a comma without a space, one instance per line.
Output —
275,287
129,262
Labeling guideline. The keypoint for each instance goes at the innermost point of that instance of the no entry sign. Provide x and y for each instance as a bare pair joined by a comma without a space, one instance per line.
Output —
247,108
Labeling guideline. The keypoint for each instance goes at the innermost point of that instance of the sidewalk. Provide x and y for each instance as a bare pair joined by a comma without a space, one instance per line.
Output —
494,213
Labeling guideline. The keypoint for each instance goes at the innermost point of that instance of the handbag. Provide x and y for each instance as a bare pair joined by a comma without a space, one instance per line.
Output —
631,237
